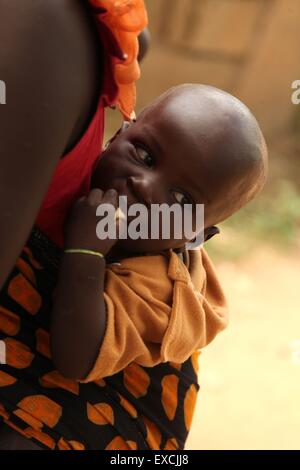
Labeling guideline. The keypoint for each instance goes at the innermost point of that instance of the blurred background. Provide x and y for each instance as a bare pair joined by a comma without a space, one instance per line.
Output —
250,375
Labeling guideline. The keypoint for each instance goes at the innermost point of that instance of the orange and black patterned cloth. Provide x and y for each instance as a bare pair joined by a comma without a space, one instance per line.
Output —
137,408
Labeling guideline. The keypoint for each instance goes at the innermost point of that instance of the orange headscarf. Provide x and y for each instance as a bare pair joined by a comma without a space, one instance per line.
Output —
125,19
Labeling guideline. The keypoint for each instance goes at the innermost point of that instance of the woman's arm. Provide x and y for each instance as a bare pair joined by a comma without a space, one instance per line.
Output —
43,61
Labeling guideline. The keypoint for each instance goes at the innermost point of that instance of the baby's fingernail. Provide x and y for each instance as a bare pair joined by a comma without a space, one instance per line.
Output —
112,192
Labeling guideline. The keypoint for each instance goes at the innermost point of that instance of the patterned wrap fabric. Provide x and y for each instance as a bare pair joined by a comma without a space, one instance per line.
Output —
137,408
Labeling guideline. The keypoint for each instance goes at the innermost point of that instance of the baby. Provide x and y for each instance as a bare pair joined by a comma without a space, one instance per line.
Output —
142,302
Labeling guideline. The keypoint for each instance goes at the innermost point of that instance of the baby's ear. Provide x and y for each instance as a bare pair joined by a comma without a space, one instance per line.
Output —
210,232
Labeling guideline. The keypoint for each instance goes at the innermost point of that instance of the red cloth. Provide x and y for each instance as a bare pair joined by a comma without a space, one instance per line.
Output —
118,22
72,176
71,179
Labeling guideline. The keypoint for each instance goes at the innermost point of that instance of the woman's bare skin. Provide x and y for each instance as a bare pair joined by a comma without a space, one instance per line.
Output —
51,61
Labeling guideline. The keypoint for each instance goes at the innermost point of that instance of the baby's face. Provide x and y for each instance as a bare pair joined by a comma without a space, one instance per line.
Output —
186,152
154,161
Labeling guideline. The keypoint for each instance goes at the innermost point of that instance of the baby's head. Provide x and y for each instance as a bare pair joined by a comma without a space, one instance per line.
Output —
195,144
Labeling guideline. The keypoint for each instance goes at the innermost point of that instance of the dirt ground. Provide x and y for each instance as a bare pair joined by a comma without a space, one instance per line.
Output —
250,375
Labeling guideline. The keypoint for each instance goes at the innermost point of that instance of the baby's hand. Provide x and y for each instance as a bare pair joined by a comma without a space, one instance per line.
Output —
82,222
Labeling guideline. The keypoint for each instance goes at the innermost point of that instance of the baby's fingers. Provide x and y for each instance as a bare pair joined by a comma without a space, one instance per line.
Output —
95,197
111,197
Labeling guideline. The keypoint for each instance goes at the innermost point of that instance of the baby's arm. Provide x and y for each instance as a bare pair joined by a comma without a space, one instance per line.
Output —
78,319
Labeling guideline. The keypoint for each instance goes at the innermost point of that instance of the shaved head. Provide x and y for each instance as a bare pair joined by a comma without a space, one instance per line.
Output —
225,133
194,145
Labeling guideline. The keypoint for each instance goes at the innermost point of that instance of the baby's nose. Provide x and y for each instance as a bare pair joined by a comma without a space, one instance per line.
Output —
142,189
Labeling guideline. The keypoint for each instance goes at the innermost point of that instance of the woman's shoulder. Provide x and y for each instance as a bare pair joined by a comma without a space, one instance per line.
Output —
43,13
53,58
66,30
49,33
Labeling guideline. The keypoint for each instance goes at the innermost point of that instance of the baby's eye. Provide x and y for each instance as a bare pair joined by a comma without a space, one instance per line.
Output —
181,198
145,156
